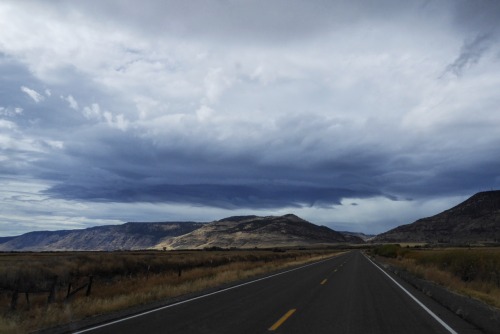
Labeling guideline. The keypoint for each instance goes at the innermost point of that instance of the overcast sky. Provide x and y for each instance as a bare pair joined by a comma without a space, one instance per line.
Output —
358,115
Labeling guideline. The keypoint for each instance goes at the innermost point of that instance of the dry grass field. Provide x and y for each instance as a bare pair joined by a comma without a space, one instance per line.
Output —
121,280
474,272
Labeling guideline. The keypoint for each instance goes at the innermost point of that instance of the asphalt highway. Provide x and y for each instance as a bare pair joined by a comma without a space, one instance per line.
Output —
345,294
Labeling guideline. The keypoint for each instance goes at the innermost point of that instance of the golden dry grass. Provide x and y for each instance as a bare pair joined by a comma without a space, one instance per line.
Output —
117,286
471,272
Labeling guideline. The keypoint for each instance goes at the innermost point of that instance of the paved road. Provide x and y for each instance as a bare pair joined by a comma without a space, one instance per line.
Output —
346,294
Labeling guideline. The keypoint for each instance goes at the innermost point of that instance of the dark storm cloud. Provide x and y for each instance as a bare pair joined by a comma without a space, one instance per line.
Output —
113,166
449,180
221,196
470,54
476,17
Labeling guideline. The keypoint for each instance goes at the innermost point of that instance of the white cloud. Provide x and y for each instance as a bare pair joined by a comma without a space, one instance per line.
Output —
146,106
37,97
92,112
15,143
7,124
216,82
10,112
71,101
116,121
55,144
204,113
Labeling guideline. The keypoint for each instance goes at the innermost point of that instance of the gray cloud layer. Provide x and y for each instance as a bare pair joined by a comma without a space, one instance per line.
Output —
225,105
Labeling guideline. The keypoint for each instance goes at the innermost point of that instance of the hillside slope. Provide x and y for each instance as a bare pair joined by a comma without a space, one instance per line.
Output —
262,232
476,219
238,232
111,237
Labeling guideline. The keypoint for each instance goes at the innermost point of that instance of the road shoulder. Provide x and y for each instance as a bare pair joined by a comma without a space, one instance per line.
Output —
479,314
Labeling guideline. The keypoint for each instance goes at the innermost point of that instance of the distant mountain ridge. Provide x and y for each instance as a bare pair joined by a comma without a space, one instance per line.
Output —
238,231
365,237
475,220
110,237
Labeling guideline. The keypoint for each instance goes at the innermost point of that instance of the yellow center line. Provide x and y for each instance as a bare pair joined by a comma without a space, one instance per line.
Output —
323,281
282,320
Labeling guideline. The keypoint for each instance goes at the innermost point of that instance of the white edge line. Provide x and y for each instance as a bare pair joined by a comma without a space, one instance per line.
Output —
432,314
199,297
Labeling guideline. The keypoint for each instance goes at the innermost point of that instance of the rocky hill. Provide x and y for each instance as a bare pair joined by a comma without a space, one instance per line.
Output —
239,232
111,237
262,232
475,220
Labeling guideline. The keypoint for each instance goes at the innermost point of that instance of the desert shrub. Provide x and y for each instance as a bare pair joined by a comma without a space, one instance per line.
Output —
389,250
466,264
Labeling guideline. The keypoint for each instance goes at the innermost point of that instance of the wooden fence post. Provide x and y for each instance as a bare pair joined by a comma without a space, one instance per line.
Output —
52,294
13,302
28,299
69,290
89,286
